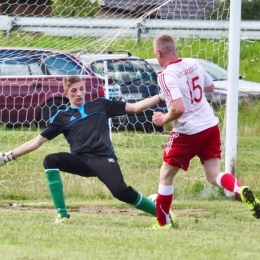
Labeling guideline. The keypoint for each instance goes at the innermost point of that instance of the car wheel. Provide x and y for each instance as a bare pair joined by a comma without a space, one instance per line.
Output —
49,109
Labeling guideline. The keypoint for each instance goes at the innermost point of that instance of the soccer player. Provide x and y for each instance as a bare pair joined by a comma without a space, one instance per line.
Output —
85,126
195,129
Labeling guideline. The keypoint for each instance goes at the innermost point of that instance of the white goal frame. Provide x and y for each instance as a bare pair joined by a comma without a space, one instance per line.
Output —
233,78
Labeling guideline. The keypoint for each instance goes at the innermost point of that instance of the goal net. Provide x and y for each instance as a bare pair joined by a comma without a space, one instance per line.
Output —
37,34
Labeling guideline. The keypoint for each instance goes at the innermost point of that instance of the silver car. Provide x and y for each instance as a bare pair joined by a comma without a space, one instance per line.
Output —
247,89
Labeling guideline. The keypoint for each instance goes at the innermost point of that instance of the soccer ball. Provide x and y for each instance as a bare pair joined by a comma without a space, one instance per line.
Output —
153,197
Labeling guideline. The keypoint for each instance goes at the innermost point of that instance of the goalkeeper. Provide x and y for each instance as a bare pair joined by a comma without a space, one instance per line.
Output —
85,126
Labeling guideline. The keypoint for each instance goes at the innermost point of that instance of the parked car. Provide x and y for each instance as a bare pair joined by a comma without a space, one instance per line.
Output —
31,88
247,89
137,80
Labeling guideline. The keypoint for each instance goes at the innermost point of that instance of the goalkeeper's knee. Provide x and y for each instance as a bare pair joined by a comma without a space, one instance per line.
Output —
51,161
127,194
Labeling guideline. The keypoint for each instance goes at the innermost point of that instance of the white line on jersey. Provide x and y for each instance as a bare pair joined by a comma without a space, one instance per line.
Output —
170,141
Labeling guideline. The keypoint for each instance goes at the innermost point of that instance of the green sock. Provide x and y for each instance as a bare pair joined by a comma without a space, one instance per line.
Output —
56,190
145,205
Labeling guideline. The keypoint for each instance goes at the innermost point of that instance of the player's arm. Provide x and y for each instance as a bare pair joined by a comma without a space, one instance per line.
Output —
208,83
23,149
175,110
209,88
143,104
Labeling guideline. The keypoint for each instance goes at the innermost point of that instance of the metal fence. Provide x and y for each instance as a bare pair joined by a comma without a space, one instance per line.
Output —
128,28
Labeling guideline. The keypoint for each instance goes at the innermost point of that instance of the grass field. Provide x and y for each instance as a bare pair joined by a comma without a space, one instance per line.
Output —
213,226
210,230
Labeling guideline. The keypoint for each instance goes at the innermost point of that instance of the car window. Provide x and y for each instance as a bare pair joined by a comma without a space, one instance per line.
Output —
157,67
126,71
19,67
215,72
62,65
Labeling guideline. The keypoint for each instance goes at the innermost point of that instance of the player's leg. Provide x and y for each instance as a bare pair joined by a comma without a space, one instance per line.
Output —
209,156
229,182
221,179
108,171
53,163
165,216
165,193
176,155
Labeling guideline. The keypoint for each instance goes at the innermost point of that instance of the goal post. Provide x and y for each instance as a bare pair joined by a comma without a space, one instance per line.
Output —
233,82
201,31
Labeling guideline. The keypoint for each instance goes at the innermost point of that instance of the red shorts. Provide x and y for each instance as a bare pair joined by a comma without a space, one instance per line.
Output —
181,148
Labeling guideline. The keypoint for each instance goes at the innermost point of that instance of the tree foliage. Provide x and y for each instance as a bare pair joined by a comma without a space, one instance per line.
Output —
84,8
64,8
250,10
78,8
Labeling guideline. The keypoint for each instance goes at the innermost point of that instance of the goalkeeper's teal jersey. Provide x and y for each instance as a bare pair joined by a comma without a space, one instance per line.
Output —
86,128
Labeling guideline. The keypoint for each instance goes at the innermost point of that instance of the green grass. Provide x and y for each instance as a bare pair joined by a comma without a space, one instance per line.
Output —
24,179
140,157
210,230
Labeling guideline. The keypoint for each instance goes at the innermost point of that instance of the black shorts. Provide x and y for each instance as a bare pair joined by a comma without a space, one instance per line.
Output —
106,168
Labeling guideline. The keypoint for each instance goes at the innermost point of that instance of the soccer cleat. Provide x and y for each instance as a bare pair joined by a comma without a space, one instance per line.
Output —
157,226
174,220
252,202
62,220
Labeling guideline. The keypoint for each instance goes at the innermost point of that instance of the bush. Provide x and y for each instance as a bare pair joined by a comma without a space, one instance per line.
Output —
250,10
71,8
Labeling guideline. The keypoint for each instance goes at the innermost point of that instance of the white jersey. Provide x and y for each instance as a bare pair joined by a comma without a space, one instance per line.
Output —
186,79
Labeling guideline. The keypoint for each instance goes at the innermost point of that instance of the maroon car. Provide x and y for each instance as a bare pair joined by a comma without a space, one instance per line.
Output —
31,88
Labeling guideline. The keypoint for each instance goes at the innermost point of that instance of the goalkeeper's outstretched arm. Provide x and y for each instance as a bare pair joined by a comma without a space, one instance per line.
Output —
23,149
144,104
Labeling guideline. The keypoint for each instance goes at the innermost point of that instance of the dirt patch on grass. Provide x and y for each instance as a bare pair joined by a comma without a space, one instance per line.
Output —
92,209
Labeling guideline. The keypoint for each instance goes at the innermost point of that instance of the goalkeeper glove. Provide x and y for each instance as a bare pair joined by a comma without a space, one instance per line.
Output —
6,157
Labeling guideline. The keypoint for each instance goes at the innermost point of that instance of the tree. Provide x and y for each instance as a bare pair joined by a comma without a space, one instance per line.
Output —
250,10
78,8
